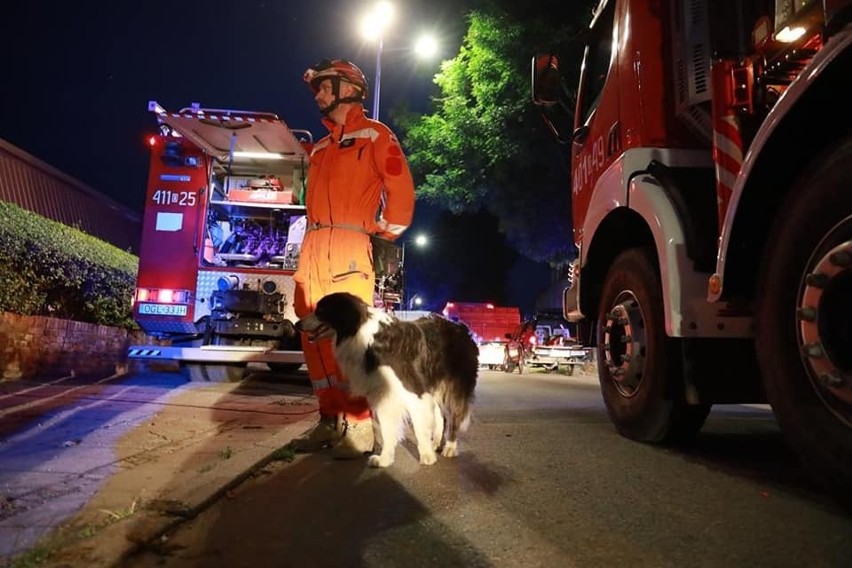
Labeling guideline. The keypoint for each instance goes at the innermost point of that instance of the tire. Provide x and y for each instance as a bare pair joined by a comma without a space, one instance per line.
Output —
284,368
292,343
193,372
214,373
804,319
639,366
508,365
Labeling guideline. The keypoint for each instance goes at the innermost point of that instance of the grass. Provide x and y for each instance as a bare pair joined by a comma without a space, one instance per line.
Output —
33,557
225,453
44,549
284,453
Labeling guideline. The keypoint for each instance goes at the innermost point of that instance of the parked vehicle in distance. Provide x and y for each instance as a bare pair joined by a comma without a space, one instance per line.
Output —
492,355
550,342
491,327
560,354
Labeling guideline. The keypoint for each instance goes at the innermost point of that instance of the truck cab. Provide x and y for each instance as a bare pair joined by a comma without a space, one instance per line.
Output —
707,140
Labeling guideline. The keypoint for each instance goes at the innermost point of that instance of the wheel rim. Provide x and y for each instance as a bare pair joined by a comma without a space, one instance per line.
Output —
623,351
824,313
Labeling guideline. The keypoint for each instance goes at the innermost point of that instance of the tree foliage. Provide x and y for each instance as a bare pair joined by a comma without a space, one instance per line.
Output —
485,146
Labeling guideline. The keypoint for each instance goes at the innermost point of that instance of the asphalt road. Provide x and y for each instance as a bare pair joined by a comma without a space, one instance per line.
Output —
542,480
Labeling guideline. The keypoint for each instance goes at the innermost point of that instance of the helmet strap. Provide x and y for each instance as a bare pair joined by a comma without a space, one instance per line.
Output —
335,90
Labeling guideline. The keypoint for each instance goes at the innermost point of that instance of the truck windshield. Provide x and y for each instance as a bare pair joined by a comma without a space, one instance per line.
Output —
596,62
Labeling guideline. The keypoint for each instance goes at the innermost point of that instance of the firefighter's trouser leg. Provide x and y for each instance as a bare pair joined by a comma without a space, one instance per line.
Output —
329,384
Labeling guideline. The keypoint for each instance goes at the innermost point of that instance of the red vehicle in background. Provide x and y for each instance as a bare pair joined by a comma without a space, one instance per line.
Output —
491,327
518,345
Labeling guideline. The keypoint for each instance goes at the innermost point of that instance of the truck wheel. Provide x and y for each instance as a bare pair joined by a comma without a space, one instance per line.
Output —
213,373
284,368
293,343
804,320
639,368
193,372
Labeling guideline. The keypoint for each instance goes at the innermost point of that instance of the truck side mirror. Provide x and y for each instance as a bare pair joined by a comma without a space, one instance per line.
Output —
552,96
545,79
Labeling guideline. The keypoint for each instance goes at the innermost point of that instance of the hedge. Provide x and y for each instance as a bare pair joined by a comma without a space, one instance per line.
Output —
51,269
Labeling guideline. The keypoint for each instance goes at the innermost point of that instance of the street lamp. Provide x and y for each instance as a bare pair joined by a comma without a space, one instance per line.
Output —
426,46
373,26
420,241
416,300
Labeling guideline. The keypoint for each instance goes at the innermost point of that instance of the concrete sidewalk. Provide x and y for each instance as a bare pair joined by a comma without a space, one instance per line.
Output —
176,459
153,458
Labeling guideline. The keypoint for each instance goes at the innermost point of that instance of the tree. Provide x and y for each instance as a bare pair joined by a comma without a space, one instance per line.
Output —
485,146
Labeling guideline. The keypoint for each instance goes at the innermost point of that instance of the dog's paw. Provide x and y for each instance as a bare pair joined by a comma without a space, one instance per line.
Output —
428,458
379,461
451,450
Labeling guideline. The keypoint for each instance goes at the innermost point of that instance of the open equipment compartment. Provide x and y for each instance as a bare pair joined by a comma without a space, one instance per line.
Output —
222,231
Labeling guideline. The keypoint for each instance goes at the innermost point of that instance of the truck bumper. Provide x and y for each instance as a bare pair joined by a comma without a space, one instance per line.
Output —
214,354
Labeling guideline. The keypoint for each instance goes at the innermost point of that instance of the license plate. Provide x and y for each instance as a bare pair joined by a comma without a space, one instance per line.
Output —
162,309
576,353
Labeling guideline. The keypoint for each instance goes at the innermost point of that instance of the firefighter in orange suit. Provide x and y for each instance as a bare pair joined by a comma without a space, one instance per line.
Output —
359,184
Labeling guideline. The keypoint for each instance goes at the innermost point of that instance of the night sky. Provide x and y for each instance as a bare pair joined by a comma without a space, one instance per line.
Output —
78,77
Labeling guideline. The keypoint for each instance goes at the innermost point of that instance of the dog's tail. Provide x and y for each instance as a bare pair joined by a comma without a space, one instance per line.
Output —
458,409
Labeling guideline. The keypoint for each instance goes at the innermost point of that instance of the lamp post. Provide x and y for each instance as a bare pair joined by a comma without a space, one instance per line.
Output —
420,241
377,87
373,26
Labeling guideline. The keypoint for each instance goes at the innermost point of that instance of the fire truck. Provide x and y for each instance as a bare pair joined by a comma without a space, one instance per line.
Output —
711,151
491,327
221,236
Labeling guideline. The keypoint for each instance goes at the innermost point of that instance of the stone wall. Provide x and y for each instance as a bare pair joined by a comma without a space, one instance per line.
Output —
36,346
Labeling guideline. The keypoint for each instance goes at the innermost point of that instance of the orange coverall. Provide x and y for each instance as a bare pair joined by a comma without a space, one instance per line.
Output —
355,169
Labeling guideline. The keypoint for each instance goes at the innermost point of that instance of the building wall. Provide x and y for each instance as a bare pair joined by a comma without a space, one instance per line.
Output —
38,187
42,347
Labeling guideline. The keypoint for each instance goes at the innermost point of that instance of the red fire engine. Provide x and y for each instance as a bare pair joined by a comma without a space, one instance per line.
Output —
486,321
711,157
491,327
222,230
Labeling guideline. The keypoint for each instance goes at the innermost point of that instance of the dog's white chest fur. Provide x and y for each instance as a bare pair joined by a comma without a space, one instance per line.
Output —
350,354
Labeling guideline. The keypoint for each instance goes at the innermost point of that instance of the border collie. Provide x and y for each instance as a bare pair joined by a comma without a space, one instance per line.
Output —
425,369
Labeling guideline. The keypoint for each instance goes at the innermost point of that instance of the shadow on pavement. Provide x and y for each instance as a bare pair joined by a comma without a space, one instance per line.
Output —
317,512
